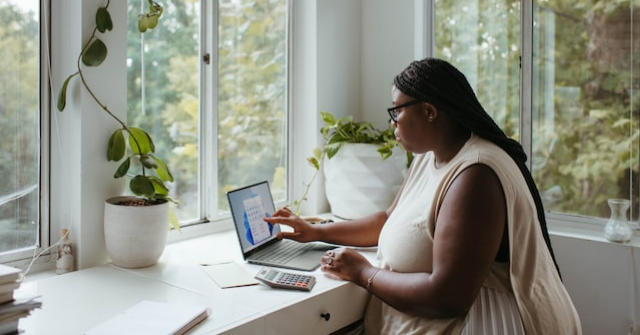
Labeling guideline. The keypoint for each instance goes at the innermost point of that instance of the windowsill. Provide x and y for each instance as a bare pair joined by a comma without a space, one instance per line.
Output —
592,231
564,227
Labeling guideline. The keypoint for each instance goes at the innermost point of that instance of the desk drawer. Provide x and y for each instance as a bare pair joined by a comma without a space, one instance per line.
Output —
321,314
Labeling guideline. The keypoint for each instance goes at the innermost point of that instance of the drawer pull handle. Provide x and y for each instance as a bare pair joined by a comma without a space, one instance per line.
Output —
326,316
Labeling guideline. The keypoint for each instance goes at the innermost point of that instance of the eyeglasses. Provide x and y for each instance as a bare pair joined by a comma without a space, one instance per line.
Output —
394,111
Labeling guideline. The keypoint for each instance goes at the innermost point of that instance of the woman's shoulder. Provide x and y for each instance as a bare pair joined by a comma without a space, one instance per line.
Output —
484,150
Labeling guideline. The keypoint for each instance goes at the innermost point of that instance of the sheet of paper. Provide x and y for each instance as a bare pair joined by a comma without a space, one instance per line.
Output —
229,274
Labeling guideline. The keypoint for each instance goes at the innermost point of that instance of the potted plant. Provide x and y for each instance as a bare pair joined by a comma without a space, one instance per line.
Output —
135,226
364,167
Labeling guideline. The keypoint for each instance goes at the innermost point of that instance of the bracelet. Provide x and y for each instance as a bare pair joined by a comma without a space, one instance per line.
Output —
370,280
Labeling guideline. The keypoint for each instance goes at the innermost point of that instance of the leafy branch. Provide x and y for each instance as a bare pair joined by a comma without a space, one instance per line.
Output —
149,186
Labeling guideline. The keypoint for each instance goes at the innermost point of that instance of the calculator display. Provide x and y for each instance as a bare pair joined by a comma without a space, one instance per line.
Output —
271,275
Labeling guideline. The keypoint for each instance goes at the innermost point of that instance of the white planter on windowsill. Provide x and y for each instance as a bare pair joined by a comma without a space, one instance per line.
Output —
358,182
135,237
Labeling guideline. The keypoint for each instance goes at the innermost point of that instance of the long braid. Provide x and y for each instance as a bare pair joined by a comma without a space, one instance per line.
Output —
441,84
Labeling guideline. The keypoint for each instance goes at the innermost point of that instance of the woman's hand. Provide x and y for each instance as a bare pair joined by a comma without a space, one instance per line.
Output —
303,231
346,264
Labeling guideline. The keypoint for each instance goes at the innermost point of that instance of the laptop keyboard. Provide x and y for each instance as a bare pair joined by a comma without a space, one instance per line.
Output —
282,252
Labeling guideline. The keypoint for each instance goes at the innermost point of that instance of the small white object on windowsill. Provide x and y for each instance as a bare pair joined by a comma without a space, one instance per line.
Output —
64,262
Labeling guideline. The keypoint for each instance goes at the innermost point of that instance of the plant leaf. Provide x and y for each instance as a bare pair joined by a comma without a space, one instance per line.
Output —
332,149
103,20
122,169
148,162
153,20
62,95
328,118
158,186
95,53
173,221
385,151
143,23
162,170
141,138
116,147
313,162
317,153
142,186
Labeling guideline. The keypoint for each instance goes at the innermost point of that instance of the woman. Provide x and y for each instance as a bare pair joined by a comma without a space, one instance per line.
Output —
464,247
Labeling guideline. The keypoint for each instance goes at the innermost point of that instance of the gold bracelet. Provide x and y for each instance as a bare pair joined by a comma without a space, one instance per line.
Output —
370,280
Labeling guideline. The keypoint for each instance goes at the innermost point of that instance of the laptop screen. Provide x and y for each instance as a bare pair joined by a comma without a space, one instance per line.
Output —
249,205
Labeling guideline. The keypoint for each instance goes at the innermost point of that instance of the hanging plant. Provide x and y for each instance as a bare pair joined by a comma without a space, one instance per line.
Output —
127,142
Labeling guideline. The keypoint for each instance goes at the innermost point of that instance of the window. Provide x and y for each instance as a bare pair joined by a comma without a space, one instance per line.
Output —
585,126
210,84
19,126
482,39
583,109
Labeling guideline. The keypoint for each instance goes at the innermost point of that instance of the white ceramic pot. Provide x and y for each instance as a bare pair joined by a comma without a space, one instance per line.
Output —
358,182
135,237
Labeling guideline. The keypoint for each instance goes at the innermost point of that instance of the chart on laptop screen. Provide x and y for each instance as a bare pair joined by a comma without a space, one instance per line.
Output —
255,214
249,206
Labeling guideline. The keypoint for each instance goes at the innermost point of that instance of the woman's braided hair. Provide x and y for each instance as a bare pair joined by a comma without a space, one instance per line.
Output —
439,83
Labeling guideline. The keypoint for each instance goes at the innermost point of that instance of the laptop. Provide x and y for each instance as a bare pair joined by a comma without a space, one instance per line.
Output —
258,239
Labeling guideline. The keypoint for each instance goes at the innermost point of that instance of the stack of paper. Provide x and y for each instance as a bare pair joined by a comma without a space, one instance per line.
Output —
12,308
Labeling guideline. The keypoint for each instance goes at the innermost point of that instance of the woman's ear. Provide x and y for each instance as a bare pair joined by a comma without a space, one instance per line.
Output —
430,111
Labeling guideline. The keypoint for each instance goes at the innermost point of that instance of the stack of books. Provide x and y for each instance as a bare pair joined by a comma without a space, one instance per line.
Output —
13,307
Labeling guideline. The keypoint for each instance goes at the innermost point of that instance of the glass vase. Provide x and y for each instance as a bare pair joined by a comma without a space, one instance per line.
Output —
617,228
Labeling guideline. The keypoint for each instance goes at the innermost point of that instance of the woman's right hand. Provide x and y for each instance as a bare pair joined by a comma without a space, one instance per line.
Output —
303,231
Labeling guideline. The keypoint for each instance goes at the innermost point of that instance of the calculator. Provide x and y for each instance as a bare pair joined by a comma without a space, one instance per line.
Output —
287,280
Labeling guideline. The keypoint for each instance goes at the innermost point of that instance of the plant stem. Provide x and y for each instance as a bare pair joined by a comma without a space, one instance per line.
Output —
95,98
306,190
86,85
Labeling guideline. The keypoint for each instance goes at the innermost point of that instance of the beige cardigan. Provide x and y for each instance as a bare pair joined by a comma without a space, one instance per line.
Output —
406,245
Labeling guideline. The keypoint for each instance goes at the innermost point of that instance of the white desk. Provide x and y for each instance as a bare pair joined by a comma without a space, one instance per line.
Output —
74,302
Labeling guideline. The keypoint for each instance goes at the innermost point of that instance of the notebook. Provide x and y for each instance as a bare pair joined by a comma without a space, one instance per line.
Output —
153,318
258,239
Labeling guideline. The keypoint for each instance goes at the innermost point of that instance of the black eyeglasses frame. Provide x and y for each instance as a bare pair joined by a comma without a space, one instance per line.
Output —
394,111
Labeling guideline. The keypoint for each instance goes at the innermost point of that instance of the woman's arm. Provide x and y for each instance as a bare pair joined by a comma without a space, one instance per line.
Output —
469,231
362,232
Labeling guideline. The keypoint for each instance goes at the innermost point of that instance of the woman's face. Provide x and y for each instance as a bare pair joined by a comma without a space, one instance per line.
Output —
412,124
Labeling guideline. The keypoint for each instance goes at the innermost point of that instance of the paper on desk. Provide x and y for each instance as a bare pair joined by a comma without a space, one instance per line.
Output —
229,274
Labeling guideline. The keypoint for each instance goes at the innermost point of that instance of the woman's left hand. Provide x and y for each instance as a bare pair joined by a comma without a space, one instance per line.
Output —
345,263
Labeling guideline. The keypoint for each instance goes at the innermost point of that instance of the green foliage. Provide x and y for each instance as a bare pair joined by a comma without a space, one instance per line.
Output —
149,183
595,156
250,96
252,93
338,131
150,20
585,121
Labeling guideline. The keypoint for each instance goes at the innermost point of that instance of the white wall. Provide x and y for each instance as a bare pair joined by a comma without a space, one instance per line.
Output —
79,135
345,57
339,56
387,48
603,280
